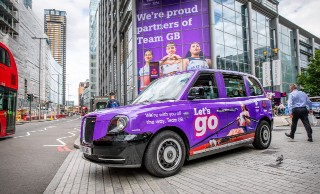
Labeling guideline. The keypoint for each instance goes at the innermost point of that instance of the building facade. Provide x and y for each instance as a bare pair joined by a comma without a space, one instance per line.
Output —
81,91
27,3
9,17
239,35
93,73
55,26
38,71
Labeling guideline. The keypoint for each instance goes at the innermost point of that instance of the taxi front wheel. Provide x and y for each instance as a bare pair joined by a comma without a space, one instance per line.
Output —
262,137
165,154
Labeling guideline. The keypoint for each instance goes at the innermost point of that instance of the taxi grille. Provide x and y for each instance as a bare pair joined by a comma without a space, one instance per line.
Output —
89,129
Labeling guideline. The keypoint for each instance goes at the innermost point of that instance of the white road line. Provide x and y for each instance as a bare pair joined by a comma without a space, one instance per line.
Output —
60,141
28,133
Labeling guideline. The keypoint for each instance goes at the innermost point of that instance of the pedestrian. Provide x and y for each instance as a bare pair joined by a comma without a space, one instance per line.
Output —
281,109
112,103
298,104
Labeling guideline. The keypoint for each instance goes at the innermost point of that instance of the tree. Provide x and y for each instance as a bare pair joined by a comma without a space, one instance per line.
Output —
310,77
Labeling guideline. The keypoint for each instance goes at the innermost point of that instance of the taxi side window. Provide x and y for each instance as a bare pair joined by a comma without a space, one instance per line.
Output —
255,88
210,89
234,85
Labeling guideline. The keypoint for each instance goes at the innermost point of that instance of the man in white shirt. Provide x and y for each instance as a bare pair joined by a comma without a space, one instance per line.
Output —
299,103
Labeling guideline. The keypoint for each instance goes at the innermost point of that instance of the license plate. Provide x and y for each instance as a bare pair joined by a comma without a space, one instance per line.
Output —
86,150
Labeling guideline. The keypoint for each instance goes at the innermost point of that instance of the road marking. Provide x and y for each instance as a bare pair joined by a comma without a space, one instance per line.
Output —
41,130
28,134
60,148
60,141
66,148
63,149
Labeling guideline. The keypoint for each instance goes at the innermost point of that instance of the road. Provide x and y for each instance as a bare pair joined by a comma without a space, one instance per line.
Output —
30,159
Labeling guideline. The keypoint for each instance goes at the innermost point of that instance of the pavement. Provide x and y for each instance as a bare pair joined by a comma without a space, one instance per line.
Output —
241,170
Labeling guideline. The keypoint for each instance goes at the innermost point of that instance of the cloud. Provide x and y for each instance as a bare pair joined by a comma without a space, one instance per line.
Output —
77,60
304,13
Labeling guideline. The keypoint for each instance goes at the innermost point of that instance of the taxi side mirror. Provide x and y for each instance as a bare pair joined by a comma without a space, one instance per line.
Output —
196,93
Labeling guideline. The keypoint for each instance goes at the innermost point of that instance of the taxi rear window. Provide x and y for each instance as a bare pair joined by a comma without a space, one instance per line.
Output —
234,86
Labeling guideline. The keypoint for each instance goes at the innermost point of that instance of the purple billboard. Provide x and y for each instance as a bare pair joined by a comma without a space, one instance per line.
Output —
174,33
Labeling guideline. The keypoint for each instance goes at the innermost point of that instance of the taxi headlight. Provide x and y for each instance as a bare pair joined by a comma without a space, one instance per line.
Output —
118,124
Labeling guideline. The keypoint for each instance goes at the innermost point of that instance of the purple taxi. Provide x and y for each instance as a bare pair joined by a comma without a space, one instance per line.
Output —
180,117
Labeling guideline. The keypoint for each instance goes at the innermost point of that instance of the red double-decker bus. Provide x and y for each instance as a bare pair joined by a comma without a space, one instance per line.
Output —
8,91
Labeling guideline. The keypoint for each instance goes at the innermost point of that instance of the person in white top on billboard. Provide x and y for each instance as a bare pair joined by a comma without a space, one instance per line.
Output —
195,59
170,63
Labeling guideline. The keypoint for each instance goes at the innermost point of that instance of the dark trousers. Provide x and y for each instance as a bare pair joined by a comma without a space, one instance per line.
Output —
300,113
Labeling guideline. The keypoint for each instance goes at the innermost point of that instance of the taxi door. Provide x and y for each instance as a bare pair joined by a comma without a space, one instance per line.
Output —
207,113
240,108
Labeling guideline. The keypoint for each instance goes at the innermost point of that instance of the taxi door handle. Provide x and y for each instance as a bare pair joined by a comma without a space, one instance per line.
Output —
227,110
233,109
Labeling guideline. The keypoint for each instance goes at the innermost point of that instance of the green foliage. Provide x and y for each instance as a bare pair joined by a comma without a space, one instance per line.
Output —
310,77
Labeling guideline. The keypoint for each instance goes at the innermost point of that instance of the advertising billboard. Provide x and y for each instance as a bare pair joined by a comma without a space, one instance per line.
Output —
173,33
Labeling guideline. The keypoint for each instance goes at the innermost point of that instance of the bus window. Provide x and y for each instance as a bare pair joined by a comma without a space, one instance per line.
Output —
4,57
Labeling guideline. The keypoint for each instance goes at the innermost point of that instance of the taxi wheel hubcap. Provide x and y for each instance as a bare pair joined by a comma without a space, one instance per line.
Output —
169,154
265,134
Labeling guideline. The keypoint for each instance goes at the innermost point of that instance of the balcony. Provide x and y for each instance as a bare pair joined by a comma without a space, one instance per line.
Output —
7,28
11,3
8,12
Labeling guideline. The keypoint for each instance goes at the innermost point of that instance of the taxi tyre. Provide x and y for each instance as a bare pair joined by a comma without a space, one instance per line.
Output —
263,135
165,155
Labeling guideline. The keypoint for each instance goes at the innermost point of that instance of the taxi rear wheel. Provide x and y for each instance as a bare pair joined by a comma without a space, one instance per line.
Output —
263,136
165,154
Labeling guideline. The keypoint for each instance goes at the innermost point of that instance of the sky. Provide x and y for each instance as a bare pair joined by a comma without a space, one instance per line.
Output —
304,13
77,39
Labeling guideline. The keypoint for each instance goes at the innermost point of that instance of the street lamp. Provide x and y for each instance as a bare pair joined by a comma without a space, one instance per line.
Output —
67,104
40,40
58,92
274,53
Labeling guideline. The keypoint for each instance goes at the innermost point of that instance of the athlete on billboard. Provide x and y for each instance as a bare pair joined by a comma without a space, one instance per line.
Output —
170,63
195,59
144,72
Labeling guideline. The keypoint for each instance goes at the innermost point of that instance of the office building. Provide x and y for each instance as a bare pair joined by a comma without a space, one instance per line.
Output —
39,73
55,26
238,35
93,70
9,18
81,91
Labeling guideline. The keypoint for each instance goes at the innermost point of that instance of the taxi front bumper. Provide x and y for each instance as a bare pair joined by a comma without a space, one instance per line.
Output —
117,151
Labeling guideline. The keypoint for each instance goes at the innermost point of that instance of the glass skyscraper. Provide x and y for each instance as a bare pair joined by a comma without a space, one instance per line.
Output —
93,69
55,26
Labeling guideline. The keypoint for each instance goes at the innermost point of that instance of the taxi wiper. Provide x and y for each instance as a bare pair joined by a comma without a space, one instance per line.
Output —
165,99
145,101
